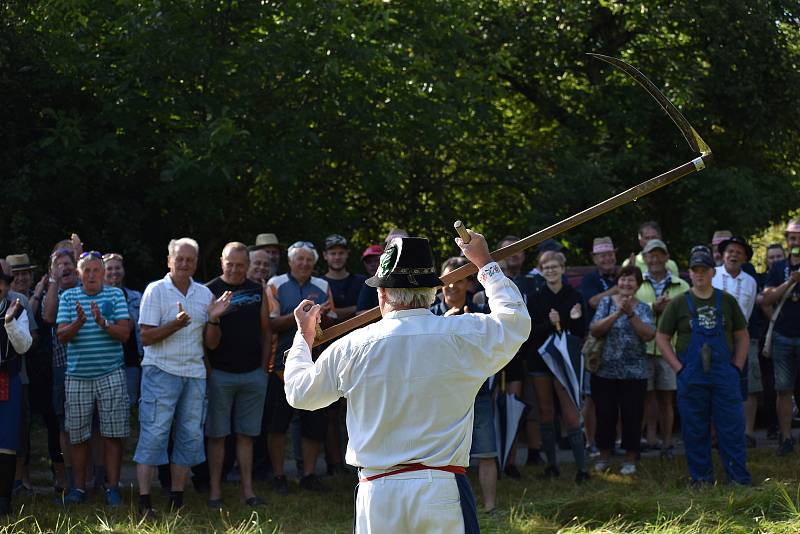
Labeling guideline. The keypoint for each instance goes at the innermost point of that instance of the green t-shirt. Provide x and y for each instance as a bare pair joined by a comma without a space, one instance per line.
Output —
676,318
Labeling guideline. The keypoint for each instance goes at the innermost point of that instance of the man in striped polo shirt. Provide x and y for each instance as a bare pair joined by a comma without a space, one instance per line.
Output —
93,322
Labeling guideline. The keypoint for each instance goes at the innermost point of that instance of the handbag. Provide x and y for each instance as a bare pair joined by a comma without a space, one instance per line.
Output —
767,350
593,350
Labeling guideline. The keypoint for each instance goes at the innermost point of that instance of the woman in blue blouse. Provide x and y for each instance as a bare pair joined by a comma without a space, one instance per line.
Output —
620,383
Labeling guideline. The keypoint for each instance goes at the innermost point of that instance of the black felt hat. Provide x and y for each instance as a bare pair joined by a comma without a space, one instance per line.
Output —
407,262
736,240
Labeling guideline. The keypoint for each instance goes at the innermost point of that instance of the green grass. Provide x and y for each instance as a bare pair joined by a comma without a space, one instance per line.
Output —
658,501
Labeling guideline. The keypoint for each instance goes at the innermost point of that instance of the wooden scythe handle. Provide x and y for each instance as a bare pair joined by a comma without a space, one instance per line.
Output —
607,205
462,232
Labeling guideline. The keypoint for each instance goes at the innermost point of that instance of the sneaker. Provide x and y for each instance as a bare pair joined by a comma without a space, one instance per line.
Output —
668,453
113,497
74,496
786,447
592,451
600,466
628,469
280,485
312,483
581,477
511,471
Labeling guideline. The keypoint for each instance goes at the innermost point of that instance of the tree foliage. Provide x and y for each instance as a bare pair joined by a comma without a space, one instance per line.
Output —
136,122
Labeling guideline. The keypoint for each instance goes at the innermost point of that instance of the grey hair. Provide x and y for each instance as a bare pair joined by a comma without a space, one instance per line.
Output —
404,297
235,246
175,244
293,252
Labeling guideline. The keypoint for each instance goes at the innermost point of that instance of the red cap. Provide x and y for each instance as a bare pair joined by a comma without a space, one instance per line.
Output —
372,250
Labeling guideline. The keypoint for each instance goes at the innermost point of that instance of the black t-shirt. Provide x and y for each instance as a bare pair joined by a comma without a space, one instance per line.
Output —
239,350
345,291
539,306
788,322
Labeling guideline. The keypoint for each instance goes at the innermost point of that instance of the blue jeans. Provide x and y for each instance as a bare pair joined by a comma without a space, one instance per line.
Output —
483,440
169,400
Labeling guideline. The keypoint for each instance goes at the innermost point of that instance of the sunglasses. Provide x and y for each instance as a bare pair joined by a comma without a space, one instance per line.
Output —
112,256
92,253
303,244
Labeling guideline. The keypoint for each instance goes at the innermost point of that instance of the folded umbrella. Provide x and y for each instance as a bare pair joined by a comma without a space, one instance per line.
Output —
509,413
562,354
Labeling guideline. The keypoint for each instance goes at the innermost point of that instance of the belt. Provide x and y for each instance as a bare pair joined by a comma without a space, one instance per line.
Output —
408,468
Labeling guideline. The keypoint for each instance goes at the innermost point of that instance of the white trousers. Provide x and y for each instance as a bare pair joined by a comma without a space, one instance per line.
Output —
418,502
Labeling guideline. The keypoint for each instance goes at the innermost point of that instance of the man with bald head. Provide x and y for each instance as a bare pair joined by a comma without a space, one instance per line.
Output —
237,383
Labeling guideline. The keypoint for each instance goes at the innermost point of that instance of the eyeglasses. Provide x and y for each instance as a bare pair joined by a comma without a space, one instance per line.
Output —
112,256
550,267
92,253
303,244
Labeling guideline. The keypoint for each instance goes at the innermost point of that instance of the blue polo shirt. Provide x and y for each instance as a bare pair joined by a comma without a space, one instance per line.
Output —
285,294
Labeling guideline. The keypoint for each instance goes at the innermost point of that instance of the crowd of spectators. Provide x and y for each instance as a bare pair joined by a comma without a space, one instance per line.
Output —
202,364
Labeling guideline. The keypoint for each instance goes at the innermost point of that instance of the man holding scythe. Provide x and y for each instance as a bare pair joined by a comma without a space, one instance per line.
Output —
410,382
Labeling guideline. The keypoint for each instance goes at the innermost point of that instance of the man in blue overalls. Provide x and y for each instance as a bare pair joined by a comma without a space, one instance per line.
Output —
712,343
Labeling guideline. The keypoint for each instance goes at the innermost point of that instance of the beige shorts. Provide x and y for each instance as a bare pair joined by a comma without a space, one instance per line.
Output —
662,377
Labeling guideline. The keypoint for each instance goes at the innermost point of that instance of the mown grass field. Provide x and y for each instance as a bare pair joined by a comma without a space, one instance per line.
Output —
656,500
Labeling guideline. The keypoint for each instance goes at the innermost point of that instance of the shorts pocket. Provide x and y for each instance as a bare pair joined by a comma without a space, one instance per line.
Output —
204,414
147,410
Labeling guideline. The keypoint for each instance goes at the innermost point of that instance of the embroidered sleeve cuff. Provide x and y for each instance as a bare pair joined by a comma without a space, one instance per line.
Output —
490,272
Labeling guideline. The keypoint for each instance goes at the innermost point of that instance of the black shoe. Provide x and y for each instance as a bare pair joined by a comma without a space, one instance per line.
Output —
511,471
772,432
550,471
5,506
280,485
534,457
336,469
312,483
215,504
581,477
786,447
200,485
668,453
148,515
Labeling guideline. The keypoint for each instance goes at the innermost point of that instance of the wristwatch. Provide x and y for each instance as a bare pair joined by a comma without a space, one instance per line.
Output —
105,324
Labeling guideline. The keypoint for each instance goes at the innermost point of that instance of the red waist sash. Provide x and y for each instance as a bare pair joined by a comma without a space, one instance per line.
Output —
408,468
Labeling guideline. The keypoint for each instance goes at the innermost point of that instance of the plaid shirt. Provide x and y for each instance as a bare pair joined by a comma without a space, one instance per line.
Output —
59,350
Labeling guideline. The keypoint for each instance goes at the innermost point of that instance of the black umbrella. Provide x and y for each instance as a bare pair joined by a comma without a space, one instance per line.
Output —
509,412
562,354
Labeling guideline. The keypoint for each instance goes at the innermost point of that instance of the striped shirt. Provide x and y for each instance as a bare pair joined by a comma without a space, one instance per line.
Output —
93,352
180,354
